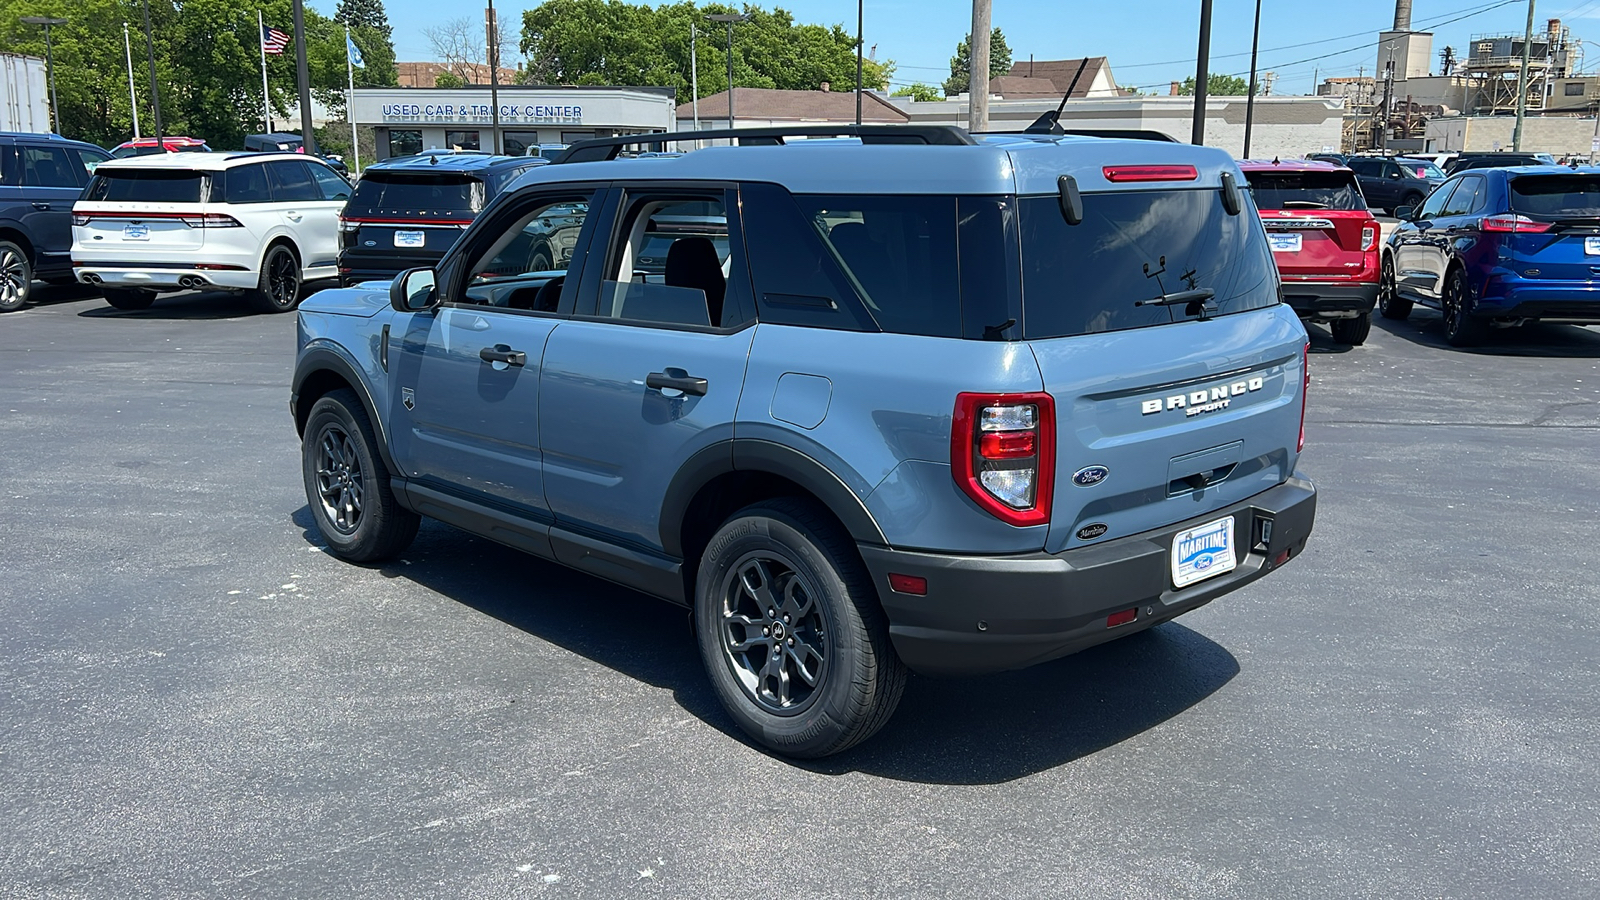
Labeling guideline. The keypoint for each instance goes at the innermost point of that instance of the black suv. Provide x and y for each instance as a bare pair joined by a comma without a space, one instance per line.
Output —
1497,160
1390,182
407,212
41,176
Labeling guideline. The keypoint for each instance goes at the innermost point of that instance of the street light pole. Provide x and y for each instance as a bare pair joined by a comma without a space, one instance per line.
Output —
728,19
155,93
859,45
1250,101
133,99
308,137
1197,134
49,65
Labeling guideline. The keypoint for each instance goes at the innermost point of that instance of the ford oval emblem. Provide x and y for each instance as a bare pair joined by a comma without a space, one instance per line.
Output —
371,243
1092,531
1089,476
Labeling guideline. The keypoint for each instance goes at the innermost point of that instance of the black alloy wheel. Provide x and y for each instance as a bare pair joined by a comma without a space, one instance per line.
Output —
279,288
339,478
540,260
16,277
1461,327
347,487
1390,303
774,634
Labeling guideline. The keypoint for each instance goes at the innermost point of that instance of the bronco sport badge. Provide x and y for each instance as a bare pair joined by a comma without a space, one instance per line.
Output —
1204,400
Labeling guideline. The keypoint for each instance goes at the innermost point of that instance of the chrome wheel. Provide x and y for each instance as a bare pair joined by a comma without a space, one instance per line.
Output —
339,481
283,279
16,277
774,635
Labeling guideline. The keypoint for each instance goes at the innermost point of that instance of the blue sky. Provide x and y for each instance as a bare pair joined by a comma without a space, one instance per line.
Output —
1149,42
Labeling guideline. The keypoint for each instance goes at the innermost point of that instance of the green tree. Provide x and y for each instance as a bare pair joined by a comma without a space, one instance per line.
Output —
1217,86
364,14
919,92
449,80
961,64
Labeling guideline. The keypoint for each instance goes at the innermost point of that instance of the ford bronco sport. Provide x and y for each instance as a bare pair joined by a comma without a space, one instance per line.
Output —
933,402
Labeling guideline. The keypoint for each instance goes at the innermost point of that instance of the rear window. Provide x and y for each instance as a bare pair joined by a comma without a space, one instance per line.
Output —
442,192
146,186
1133,246
1557,196
1305,190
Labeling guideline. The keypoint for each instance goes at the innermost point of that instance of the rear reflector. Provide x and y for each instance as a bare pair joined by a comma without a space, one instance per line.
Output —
1122,618
1150,173
908,584
218,267
1305,388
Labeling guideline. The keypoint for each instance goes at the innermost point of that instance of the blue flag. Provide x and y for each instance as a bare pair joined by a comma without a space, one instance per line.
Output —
353,50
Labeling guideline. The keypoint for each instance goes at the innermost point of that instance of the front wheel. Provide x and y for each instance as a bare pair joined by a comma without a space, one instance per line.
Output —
1390,303
16,277
791,633
1352,331
279,288
1461,327
346,485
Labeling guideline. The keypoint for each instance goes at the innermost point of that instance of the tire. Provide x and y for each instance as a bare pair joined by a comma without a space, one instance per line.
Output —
1390,303
280,286
16,277
1411,200
347,486
1461,327
1352,331
540,260
825,620
127,298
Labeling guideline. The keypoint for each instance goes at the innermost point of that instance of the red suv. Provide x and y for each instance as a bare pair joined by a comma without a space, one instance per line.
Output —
1324,239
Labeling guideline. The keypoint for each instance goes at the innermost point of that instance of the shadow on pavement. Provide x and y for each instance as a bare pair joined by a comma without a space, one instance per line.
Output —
1425,328
1322,339
984,730
51,294
192,305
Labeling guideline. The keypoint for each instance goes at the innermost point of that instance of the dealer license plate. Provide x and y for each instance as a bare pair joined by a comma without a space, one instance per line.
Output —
1591,246
1201,553
136,232
1284,243
410,238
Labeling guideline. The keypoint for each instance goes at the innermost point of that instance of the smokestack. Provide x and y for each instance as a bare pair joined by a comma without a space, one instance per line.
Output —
1402,15
1175,90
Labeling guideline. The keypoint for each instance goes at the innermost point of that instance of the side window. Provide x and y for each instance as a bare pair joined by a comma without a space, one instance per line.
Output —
89,160
1362,167
1467,197
290,181
671,263
328,181
8,166
1392,170
523,265
50,167
796,280
246,184
1432,207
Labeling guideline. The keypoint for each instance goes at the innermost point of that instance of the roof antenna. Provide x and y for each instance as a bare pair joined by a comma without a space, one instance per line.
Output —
1275,161
1050,122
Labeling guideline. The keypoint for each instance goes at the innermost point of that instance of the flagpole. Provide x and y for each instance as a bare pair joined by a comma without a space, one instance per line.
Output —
133,99
349,100
261,44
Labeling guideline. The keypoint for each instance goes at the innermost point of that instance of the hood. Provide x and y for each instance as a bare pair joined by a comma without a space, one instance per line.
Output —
365,300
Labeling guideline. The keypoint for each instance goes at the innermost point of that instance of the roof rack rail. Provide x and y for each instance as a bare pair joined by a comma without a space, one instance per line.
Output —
598,149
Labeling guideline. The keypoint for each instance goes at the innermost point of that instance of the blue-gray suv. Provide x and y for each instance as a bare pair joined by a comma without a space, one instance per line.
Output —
909,400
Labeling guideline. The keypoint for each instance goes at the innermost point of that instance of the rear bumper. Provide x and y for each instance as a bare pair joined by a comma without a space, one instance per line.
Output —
1313,298
176,278
1577,301
356,266
990,614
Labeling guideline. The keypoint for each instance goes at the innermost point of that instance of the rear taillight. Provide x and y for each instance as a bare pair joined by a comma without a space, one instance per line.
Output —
80,219
1369,237
1002,453
347,225
1509,223
1305,387
210,220
1150,173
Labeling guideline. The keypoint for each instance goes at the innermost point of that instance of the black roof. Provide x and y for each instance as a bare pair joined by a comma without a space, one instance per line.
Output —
8,137
454,162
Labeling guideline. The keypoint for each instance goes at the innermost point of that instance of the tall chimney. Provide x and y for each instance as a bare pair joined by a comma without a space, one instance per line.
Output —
1402,15
1175,89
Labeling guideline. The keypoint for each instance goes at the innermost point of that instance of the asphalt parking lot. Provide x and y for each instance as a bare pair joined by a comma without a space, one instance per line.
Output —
197,701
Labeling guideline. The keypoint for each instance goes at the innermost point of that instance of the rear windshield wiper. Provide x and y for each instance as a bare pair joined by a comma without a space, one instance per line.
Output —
1303,204
1194,302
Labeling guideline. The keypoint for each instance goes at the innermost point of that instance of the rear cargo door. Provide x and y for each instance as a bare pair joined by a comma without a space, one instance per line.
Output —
140,212
411,216
1187,407
1317,222
1557,220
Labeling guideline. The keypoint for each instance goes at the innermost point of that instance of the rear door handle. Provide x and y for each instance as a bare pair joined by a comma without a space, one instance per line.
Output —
38,205
501,353
686,383
293,215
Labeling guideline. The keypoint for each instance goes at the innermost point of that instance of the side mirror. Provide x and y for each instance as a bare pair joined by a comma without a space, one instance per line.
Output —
1404,213
414,290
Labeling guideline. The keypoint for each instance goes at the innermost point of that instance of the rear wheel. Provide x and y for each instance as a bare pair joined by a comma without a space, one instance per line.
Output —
1352,331
347,487
1411,200
16,277
791,633
126,298
1461,327
279,288
1390,303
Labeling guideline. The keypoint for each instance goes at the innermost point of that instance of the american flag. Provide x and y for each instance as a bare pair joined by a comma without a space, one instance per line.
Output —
273,41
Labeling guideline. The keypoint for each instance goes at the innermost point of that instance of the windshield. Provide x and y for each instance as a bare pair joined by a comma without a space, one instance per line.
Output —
1420,168
1305,190
146,185
1137,246
1556,196
443,192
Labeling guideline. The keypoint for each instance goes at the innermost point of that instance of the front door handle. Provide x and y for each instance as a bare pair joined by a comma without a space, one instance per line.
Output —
686,383
503,354
38,205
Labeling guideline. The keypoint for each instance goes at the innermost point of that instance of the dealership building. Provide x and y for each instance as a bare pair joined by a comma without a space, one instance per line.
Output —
410,120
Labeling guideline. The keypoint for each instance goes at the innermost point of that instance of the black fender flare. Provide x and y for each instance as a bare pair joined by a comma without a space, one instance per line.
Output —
754,455
324,358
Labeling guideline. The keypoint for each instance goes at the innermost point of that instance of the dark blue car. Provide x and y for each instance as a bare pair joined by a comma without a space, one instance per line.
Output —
1499,248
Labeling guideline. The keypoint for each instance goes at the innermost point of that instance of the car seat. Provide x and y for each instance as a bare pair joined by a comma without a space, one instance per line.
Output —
692,262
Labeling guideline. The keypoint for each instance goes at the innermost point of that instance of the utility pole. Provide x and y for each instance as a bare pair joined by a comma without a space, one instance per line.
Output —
728,19
694,78
859,46
1522,82
133,99
49,64
1202,75
1250,101
493,26
155,93
978,81
308,135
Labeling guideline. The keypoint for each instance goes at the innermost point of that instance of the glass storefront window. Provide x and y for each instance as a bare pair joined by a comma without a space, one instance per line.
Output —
404,143
461,140
516,143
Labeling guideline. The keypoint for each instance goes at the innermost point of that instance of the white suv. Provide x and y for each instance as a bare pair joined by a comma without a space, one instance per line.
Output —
260,223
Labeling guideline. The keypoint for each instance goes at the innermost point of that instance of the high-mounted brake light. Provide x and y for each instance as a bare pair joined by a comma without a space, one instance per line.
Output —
1002,454
1305,387
1369,237
1150,173
1513,224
